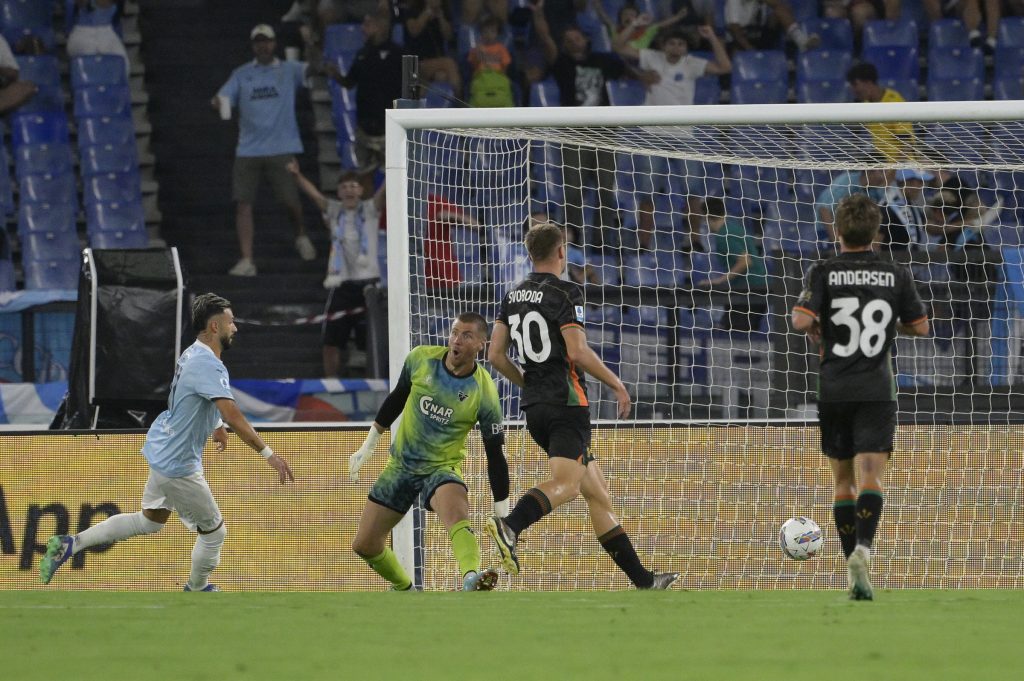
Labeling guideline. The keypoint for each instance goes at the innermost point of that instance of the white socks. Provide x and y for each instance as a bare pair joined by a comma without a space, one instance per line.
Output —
115,528
205,556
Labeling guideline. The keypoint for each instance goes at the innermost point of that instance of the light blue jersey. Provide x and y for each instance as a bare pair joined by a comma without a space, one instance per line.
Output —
264,97
175,441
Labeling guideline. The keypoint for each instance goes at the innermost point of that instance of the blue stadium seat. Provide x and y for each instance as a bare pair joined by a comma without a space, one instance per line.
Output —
48,188
545,93
1011,32
340,38
39,159
52,274
908,87
49,127
625,92
759,65
102,100
892,61
6,188
115,217
26,13
955,89
607,267
947,33
112,188
49,245
118,131
98,69
1008,88
835,34
7,282
827,64
886,33
119,239
342,98
466,247
107,158
439,96
955,62
759,92
46,98
707,90
46,217
40,69
802,9
1009,62
823,91
791,227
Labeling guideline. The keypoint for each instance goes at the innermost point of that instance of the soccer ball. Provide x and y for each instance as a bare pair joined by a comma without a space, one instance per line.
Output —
800,538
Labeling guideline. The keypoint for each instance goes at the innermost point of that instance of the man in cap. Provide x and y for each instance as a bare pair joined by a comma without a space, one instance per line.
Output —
263,91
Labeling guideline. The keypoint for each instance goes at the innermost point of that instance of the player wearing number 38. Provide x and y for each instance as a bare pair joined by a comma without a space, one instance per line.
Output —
853,304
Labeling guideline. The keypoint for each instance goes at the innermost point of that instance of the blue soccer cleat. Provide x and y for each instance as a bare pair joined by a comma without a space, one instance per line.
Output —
208,587
485,580
58,551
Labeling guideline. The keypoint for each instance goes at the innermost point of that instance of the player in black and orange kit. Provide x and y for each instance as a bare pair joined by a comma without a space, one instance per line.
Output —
853,304
543,316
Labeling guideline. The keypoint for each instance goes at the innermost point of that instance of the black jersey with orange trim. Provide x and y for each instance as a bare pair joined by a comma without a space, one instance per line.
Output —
857,299
535,311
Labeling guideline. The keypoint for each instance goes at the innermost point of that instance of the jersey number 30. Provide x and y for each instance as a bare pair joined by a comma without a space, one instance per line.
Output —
866,333
524,338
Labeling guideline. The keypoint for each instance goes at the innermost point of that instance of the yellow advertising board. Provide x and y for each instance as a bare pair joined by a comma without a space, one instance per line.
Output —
707,501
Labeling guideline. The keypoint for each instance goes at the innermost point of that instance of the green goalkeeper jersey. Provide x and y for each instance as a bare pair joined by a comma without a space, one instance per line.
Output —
440,410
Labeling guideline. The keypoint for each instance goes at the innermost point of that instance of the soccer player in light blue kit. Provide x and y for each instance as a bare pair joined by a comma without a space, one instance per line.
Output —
200,403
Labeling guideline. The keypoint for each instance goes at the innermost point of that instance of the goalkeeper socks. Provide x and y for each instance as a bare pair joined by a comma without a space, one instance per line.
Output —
387,566
616,542
532,507
115,528
465,547
869,511
844,511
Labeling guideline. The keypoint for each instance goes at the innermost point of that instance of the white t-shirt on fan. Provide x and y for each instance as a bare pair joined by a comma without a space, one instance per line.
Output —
678,81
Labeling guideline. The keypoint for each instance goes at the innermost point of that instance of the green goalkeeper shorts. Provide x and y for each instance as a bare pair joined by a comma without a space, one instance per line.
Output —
397,487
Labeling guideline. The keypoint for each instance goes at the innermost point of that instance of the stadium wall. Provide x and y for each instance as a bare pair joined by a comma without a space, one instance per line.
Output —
704,500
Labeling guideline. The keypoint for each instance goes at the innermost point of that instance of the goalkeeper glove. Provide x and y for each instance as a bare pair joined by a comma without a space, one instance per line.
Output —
356,461
501,508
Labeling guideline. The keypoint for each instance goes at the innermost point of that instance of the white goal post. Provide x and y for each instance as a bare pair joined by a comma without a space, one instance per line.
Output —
724,448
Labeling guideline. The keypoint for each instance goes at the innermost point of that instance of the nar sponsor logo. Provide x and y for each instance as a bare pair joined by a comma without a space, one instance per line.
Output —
435,412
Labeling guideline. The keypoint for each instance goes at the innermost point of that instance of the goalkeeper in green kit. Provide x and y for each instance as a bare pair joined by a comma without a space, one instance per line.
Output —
441,394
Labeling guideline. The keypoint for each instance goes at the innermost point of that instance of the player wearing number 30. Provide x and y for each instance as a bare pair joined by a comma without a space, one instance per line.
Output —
441,394
543,317
853,304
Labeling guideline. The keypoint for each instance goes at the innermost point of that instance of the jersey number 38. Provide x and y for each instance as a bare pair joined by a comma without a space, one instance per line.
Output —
867,330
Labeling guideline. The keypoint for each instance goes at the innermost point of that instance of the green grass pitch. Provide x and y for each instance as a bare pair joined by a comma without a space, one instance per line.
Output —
625,636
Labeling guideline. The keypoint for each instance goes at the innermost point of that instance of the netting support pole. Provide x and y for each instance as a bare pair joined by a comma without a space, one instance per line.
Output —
408,547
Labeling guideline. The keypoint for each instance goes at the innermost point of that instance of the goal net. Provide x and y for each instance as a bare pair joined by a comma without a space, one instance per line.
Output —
690,232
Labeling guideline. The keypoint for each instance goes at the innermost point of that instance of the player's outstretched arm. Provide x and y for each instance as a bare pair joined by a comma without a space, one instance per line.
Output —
234,417
497,355
389,410
585,358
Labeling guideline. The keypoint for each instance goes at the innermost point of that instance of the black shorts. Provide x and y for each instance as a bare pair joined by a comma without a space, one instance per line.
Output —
561,431
348,296
850,428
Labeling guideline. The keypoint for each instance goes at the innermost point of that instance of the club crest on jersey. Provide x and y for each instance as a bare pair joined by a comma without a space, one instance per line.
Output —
434,411
462,396
579,313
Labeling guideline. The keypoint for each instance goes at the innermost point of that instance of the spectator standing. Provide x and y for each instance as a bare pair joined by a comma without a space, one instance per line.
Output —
893,141
969,11
96,24
428,35
263,91
755,25
581,76
351,266
740,257
490,61
671,72
636,29
377,73
13,92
